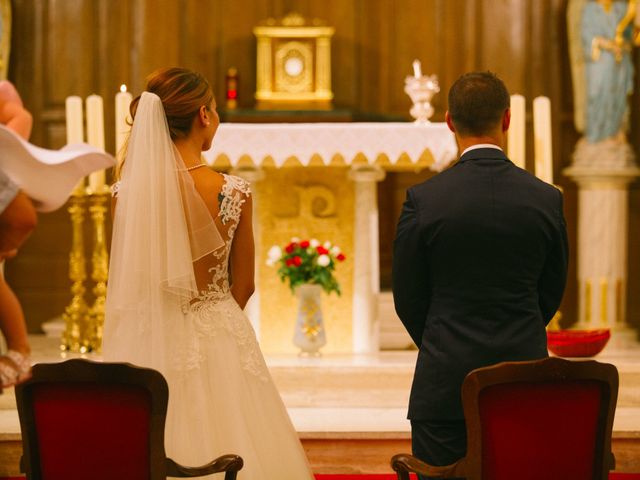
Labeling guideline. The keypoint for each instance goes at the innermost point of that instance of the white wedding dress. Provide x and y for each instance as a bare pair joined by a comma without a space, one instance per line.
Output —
221,396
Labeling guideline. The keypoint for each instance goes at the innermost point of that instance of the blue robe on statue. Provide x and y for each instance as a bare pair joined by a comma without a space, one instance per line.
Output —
609,82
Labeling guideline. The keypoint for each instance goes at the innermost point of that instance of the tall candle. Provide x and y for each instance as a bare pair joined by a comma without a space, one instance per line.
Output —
542,135
516,136
95,136
417,69
73,116
123,100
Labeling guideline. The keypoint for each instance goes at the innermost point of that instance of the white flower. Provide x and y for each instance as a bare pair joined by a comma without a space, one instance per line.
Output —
314,242
274,254
323,260
335,250
327,245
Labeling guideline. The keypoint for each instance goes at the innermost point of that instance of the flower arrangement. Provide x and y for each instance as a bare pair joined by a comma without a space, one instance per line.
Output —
307,261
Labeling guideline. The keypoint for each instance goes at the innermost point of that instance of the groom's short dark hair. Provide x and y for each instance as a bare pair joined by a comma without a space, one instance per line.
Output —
477,101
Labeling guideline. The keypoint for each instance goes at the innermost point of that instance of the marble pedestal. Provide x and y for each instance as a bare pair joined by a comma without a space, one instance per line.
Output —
603,173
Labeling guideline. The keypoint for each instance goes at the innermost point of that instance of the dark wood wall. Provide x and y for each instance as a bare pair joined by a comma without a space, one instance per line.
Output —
65,47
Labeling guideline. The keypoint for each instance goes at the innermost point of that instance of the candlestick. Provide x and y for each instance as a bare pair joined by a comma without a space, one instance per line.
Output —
417,68
95,136
123,100
516,133
73,116
99,270
542,135
75,314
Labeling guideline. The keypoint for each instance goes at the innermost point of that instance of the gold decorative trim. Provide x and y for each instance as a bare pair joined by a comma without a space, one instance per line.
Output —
604,286
303,81
293,32
587,302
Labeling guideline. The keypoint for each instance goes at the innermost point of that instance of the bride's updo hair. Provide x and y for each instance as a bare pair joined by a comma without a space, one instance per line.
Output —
182,92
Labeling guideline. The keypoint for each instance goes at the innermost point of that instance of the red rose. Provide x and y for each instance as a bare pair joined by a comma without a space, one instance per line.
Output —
321,250
289,262
304,244
290,248
341,257
297,261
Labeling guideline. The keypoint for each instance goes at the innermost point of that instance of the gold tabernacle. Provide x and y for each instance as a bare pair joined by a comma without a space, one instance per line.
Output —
293,64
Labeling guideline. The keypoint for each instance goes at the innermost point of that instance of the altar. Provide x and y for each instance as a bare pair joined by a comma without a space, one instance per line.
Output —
320,181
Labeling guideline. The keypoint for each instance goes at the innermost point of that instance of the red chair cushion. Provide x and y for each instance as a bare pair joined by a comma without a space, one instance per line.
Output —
533,431
92,431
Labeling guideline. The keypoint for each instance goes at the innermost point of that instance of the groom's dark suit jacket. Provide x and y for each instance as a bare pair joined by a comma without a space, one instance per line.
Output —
479,269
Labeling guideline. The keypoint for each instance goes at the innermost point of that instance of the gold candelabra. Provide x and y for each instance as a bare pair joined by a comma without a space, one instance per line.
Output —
84,324
75,315
100,267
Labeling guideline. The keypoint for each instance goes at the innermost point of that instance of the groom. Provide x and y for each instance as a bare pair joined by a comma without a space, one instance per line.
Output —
479,267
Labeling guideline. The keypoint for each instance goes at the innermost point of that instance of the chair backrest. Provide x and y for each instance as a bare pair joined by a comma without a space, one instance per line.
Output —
83,419
549,418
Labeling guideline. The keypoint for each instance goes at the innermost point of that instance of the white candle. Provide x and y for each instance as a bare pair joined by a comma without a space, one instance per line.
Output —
516,135
95,136
123,100
73,117
542,136
417,69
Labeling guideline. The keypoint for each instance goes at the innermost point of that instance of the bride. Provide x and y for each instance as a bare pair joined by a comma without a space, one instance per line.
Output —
182,261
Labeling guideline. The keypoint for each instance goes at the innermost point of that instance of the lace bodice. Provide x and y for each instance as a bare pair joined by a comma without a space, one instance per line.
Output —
212,272
214,310
232,196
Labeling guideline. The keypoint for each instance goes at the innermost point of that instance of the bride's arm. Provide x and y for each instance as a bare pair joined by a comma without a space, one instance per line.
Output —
243,257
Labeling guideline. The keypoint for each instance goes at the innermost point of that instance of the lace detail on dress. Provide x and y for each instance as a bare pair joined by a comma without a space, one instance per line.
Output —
215,309
210,317
231,202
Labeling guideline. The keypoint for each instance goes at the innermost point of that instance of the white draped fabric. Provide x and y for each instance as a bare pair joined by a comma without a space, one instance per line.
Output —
304,141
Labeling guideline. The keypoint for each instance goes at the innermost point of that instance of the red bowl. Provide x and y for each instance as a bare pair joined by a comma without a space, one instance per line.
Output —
577,343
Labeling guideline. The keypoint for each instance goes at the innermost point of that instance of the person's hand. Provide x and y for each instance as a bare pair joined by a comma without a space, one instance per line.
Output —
12,112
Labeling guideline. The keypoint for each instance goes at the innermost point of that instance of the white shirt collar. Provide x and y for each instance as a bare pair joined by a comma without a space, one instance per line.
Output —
481,145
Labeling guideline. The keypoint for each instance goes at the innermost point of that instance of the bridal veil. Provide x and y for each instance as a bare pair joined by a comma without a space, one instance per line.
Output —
161,227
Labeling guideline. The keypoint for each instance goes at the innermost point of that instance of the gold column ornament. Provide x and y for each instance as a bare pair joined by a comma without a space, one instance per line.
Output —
294,64
604,286
323,66
75,314
619,301
587,302
99,266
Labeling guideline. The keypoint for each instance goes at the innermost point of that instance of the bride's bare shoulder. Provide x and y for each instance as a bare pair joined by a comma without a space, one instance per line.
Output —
209,179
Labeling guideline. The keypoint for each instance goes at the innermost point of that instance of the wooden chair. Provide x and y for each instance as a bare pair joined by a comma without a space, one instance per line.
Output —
549,418
83,419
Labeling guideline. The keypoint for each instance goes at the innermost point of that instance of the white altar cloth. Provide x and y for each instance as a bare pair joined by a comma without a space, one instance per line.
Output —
281,141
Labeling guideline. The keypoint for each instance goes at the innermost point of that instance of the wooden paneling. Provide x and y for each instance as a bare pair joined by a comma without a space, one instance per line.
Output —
64,47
